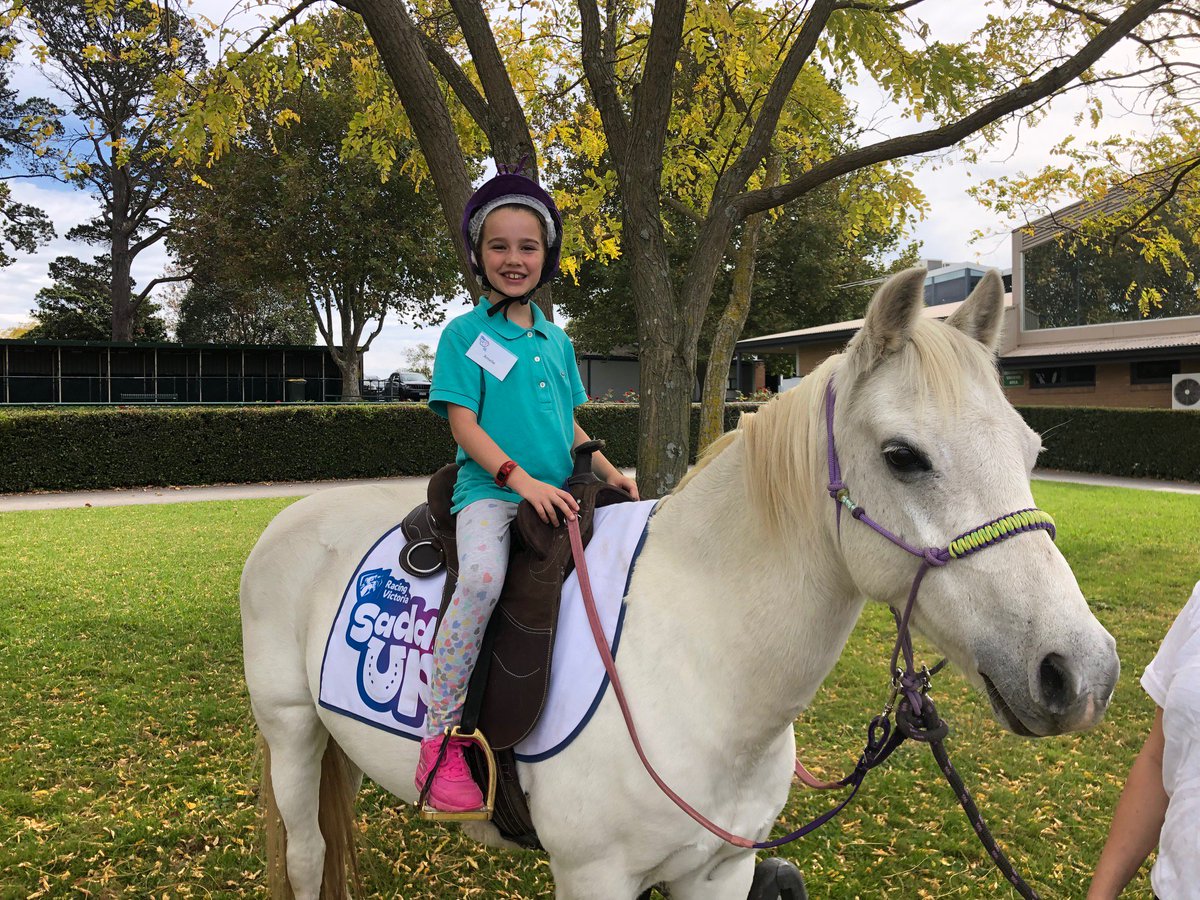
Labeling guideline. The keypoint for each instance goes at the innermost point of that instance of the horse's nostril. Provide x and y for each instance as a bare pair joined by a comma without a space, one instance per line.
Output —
1055,681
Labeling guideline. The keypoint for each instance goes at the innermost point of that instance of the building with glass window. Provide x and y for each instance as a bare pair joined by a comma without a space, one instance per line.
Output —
1097,327
1083,326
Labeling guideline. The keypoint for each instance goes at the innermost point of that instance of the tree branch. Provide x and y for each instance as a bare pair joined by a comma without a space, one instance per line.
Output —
375,333
449,69
145,292
759,142
875,7
153,238
278,25
601,74
682,208
1187,168
948,135
652,96
506,126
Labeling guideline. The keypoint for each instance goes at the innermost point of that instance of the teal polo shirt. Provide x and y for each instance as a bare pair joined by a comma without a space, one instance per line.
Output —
530,413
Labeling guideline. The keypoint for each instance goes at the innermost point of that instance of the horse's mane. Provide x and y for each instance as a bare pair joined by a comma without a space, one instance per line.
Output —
784,472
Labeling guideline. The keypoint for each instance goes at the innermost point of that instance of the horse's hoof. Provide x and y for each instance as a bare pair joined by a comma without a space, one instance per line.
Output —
777,879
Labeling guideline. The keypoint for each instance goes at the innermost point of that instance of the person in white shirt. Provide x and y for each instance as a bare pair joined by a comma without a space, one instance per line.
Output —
1160,805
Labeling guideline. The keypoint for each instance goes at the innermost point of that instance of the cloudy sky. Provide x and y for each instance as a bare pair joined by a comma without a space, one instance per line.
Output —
944,234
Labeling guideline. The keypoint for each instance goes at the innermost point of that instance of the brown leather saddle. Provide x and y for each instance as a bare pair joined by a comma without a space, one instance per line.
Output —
510,682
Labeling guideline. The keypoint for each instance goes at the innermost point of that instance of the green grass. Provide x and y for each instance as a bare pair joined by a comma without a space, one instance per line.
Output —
128,769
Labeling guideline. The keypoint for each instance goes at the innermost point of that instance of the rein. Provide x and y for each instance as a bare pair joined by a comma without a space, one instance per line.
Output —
915,715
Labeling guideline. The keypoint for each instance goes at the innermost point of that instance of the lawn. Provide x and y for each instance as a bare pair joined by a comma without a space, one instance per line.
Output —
128,769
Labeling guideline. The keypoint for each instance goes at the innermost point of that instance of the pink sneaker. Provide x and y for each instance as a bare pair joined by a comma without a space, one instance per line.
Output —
453,790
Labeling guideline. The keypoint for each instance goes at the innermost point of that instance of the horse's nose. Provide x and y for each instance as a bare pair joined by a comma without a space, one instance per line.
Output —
1075,693
1057,688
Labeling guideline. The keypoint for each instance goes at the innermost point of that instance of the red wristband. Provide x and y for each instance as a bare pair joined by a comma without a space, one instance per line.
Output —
506,469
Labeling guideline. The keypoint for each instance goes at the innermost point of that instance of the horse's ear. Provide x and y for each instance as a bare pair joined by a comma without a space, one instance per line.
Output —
982,313
891,317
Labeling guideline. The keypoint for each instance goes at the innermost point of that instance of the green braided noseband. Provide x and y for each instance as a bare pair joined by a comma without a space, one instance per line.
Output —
1001,529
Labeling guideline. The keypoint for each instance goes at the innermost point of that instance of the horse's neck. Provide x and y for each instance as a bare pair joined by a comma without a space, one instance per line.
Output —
769,621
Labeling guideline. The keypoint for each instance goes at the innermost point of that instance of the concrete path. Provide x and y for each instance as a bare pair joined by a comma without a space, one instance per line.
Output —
133,496
414,491
1145,484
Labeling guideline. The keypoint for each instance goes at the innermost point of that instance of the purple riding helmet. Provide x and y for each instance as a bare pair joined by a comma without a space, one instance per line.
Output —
510,188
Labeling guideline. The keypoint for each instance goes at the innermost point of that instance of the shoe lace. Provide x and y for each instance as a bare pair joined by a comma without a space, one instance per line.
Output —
455,763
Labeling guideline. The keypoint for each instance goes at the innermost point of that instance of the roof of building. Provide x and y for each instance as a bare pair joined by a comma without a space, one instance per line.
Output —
1111,348
152,345
835,331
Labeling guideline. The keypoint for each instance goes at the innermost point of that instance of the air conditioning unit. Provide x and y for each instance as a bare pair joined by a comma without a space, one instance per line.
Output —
1185,391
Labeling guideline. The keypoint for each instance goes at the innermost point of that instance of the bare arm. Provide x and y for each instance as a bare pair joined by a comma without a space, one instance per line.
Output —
547,499
1136,822
604,468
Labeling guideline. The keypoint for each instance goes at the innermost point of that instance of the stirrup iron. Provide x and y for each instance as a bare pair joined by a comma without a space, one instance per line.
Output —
489,804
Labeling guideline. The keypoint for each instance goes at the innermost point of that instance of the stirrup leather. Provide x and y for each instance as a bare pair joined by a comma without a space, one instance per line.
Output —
489,803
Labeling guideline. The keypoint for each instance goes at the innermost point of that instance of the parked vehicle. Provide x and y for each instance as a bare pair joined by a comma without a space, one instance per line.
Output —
402,385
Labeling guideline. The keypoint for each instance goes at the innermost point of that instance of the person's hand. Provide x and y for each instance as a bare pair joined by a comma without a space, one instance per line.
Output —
547,500
624,482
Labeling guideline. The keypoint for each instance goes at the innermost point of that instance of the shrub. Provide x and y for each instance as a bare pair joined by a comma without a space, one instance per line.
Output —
104,447
1150,443
92,448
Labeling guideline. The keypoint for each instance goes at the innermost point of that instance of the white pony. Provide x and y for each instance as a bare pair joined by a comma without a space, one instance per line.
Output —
739,606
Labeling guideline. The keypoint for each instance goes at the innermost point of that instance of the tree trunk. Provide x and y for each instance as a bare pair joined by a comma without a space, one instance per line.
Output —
122,259
664,418
733,319
348,364
395,36
119,291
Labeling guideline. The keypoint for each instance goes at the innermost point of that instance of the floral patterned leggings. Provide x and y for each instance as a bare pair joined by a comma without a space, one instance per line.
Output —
483,542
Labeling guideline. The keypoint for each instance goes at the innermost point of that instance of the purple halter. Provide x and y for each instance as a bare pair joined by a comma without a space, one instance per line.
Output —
915,713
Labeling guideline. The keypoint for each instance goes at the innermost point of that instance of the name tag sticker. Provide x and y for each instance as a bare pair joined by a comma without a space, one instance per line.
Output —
492,357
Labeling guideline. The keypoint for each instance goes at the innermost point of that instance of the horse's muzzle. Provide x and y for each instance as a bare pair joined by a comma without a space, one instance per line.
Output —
1063,692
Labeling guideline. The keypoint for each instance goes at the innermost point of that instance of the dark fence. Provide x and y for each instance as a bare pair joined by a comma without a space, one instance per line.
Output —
53,372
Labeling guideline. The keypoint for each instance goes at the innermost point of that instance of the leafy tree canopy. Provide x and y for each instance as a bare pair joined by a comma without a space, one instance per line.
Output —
25,125
300,208
78,306
690,101
212,312
107,57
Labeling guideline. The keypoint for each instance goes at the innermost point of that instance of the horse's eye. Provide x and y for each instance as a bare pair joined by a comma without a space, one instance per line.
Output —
903,458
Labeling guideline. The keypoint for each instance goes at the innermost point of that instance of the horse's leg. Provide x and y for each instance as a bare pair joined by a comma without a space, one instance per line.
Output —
600,879
730,879
296,741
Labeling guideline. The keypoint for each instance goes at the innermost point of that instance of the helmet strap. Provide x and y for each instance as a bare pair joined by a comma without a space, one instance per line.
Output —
503,304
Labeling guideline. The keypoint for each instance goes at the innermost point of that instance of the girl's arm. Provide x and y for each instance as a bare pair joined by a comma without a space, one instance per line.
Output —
1136,821
604,468
545,498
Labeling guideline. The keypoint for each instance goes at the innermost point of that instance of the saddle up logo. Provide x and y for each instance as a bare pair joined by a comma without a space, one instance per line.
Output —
392,631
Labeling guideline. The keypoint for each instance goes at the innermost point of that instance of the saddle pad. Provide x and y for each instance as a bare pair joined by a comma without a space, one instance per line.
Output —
378,656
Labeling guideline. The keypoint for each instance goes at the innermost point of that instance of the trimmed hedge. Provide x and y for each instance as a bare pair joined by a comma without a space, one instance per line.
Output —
1144,443
104,447
92,448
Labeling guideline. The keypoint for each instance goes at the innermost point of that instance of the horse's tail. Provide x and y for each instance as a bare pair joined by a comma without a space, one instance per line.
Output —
335,816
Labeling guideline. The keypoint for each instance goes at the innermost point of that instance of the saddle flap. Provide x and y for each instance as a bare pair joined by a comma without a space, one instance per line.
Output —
521,631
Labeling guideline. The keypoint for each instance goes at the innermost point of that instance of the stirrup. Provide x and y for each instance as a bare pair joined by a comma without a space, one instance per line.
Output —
483,814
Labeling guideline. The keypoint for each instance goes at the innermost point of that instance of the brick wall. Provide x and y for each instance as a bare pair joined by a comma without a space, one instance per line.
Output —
1112,389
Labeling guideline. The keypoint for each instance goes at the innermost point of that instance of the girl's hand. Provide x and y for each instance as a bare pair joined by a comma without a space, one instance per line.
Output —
624,482
545,498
